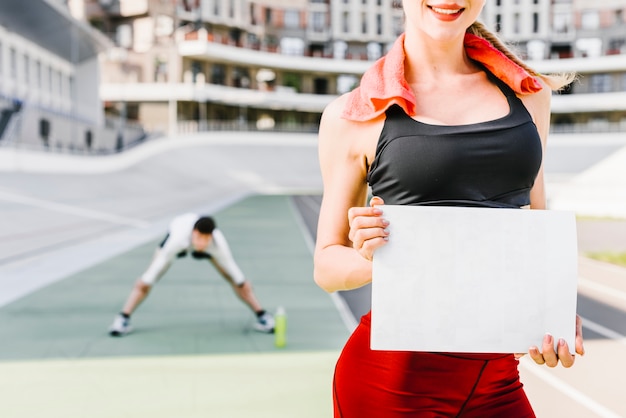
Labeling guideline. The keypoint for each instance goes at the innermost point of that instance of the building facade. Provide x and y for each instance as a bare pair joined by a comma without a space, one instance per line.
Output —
194,65
49,77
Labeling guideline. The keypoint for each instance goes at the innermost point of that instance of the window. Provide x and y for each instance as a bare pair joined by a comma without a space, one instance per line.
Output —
320,85
26,69
59,82
498,25
196,68
364,23
13,63
38,74
600,83
379,24
252,14
292,19
67,86
50,79
345,22
317,23
218,74
590,19
535,22
561,23
516,23
124,36
398,25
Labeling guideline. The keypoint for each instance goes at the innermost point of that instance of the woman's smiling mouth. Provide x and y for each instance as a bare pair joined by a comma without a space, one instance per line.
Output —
446,11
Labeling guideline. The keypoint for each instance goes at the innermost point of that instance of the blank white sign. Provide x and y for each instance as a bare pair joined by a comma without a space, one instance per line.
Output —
474,280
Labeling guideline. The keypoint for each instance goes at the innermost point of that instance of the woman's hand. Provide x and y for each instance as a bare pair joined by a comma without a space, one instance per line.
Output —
550,357
368,228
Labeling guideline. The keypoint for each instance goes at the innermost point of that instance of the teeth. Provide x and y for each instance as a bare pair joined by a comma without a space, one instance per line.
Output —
446,11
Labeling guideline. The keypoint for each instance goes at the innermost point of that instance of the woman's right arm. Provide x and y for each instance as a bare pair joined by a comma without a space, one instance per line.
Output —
348,232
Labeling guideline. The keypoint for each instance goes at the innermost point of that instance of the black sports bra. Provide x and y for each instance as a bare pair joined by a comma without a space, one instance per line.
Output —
488,164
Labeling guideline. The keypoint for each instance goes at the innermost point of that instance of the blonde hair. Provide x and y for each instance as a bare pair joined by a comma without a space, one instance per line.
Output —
554,81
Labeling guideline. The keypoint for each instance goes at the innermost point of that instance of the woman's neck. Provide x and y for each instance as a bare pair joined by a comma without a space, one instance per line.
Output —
428,60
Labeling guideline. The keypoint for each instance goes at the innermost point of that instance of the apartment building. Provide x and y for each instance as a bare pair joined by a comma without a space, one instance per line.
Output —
237,64
188,65
49,76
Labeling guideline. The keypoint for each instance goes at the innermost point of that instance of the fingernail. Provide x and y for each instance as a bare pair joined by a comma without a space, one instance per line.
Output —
386,231
561,342
385,222
549,338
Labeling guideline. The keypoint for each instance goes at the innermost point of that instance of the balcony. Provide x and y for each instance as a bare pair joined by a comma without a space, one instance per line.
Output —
207,47
164,92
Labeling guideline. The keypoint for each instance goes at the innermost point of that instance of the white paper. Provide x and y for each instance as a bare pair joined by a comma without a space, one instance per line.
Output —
474,280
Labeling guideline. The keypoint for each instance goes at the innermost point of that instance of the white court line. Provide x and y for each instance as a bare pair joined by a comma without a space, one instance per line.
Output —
574,394
341,305
604,331
72,210
21,278
566,389
601,288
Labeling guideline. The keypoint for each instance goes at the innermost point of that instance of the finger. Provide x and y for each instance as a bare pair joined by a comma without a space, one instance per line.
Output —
362,235
567,360
359,211
366,227
366,241
365,220
369,247
547,350
535,354
376,201
580,349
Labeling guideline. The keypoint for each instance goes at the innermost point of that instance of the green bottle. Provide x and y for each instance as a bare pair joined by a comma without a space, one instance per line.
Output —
280,328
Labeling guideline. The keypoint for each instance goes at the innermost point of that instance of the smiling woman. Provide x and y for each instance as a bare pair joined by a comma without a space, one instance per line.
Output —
449,117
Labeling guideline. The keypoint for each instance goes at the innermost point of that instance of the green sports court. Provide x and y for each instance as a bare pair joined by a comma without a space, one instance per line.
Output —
193,352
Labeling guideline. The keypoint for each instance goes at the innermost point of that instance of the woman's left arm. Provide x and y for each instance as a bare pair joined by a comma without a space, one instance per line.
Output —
538,105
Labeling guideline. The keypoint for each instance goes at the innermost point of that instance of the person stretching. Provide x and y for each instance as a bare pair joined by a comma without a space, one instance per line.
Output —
198,235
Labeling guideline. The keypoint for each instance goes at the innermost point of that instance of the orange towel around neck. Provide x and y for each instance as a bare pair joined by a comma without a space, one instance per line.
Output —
384,84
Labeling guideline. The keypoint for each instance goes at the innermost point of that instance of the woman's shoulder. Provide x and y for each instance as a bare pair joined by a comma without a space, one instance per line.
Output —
335,107
339,136
333,115
538,104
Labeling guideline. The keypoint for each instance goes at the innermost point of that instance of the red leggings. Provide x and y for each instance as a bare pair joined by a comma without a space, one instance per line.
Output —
394,384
